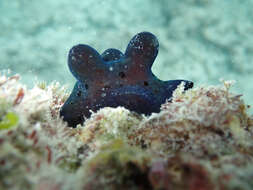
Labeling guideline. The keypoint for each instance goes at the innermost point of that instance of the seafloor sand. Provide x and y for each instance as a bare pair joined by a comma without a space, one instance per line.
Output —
200,40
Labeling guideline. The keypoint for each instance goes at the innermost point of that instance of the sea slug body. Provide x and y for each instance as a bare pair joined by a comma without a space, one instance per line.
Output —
116,79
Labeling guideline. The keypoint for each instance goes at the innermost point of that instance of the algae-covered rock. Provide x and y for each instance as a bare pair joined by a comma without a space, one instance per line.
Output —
108,124
202,139
32,141
206,121
121,166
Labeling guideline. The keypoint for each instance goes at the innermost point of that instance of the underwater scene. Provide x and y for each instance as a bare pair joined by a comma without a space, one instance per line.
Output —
126,94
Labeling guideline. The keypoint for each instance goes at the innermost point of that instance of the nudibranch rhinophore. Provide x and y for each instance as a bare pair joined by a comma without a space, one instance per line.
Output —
115,79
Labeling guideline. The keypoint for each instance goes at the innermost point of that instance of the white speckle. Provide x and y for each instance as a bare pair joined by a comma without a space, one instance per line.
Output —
103,94
103,89
125,66
37,126
110,68
73,58
90,56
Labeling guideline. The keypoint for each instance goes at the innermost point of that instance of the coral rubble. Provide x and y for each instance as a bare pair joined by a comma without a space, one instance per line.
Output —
202,139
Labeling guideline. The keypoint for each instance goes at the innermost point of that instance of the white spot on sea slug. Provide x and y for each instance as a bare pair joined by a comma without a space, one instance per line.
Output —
73,58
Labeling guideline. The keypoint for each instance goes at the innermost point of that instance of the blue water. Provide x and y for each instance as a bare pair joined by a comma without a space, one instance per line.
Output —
200,40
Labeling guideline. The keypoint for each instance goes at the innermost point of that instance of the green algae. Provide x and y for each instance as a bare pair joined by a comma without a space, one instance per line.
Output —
8,121
8,118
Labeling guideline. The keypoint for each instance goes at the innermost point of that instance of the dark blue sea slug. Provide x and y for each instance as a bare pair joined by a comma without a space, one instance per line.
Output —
116,79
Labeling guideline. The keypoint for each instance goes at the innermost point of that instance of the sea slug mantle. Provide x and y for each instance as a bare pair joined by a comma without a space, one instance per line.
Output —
115,79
